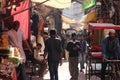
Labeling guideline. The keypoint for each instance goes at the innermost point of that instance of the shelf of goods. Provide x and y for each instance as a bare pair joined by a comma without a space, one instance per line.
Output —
8,70
9,62
4,46
9,59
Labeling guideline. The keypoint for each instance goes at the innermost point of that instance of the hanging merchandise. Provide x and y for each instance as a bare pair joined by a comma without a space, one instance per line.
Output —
41,22
0,5
111,11
88,4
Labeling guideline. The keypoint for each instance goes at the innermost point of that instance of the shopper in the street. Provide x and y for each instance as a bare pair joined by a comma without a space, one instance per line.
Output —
16,38
110,50
63,42
45,36
53,49
38,55
33,39
34,26
83,51
73,48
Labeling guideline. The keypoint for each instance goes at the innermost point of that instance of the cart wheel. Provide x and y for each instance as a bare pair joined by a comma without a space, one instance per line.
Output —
88,70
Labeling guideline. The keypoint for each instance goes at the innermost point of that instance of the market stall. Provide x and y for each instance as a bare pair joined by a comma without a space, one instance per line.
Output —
9,60
8,70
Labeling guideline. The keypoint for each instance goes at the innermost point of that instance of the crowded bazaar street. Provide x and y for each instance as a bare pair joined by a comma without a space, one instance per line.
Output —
59,39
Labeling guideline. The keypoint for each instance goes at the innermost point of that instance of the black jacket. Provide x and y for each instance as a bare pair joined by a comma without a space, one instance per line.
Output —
70,48
54,48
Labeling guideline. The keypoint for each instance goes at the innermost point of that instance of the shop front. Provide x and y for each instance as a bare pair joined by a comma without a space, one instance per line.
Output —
10,11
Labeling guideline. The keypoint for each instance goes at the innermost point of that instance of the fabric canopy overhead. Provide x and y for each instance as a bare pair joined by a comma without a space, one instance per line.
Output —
55,3
73,14
68,20
75,11
22,16
88,17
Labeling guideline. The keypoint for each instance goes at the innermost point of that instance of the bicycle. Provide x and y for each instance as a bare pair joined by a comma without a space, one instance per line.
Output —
114,71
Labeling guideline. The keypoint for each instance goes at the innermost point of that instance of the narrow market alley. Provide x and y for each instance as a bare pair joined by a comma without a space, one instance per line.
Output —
36,32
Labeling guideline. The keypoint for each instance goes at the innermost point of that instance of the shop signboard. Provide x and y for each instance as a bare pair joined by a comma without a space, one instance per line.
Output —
88,3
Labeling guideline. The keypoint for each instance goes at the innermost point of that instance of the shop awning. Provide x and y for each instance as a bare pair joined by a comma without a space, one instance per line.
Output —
73,14
75,11
68,20
65,26
90,17
55,3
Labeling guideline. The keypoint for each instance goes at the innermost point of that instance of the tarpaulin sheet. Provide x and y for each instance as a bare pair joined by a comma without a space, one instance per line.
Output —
55,3
91,16
22,16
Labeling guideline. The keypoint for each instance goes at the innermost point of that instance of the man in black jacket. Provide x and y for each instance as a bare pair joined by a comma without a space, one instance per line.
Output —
53,49
73,48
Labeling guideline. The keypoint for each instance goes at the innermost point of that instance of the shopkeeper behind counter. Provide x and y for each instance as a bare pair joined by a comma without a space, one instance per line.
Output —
16,38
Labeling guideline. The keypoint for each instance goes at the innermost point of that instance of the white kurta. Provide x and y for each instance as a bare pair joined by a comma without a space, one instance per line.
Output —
15,39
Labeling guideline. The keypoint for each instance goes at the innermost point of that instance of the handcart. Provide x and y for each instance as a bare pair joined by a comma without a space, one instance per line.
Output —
97,32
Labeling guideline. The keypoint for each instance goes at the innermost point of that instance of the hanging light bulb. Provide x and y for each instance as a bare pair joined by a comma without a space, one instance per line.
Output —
14,6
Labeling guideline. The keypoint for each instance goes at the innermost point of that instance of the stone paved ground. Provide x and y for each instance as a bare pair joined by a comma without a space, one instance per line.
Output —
64,74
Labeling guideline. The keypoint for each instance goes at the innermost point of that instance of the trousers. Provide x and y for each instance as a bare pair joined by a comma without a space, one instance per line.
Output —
53,69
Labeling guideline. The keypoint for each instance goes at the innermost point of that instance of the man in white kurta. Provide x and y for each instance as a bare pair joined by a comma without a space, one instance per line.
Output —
15,39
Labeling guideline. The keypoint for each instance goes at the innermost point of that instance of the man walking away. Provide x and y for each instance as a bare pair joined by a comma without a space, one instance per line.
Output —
53,49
